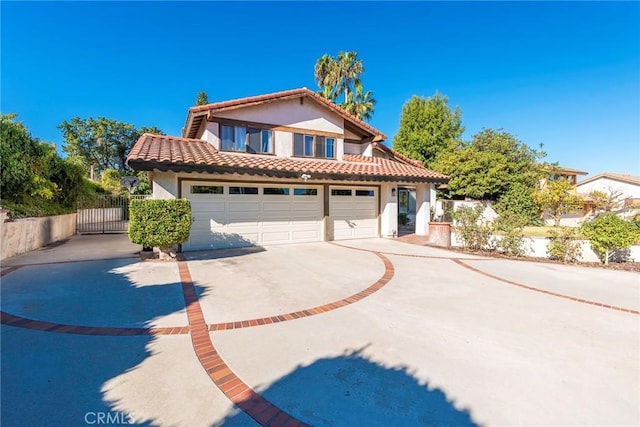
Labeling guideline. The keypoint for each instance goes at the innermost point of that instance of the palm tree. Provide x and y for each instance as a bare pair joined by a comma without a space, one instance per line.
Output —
350,68
361,105
327,76
341,75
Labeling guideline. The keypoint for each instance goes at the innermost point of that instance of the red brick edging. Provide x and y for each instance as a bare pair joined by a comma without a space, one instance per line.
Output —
39,325
254,405
388,275
543,291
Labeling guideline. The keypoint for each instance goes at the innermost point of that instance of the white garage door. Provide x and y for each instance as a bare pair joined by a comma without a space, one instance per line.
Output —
228,215
353,212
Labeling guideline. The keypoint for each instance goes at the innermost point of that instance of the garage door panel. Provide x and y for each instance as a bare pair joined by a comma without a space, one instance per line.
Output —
305,205
284,206
306,236
234,206
353,215
276,237
236,220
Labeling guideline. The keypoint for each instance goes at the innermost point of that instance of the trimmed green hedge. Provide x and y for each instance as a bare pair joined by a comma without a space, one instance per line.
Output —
161,223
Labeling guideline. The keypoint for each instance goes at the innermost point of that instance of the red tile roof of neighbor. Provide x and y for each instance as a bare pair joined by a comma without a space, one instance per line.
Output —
168,153
190,129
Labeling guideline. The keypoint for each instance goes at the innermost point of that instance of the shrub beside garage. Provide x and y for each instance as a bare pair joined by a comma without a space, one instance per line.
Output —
159,223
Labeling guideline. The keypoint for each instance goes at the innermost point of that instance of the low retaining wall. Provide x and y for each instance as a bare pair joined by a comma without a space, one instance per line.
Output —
537,247
24,235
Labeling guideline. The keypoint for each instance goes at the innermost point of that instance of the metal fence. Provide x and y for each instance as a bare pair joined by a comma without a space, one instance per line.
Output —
100,214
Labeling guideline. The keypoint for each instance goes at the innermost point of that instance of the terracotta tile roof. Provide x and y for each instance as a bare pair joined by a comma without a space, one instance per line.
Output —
168,153
396,154
630,179
260,99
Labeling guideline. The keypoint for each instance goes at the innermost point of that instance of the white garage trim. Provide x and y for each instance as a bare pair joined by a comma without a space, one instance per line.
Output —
237,214
353,212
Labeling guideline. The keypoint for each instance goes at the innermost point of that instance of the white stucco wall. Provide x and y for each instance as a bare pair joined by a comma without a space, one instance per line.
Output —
283,143
425,195
389,211
608,184
537,247
290,113
489,214
567,220
211,134
165,185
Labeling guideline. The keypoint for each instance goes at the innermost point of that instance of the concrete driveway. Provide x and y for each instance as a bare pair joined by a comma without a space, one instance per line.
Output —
364,332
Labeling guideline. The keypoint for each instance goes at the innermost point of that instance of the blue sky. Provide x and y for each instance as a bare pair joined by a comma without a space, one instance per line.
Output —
563,74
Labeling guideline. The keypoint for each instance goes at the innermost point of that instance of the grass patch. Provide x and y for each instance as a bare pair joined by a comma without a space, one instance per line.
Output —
536,231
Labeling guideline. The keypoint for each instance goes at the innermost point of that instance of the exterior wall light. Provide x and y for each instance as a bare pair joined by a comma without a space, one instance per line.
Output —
393,192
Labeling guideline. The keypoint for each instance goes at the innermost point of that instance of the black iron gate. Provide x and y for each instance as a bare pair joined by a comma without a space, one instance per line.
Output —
103,214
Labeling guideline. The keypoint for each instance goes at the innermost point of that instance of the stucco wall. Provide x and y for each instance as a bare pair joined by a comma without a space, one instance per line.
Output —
211,134
165,185
537,247
607,184
290,113
24,235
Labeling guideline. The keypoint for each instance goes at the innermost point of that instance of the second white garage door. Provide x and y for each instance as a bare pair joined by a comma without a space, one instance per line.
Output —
230,215
353,212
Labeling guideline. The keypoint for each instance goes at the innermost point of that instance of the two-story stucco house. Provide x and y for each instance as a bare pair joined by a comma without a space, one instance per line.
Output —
282,168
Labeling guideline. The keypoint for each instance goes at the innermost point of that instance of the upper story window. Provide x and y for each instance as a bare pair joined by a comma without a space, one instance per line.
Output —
247,139
314,146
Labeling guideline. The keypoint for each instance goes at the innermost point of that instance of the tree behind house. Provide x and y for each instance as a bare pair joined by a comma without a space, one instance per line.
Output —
339,77
202,98
428,127
101,143
489,165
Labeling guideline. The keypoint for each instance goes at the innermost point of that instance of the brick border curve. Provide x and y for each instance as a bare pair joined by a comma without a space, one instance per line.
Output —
237,391
460,261
544,291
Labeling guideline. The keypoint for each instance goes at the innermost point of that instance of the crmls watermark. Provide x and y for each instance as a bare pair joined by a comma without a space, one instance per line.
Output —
104,418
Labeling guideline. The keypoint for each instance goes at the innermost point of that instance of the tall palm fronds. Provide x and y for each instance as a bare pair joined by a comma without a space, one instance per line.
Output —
341,76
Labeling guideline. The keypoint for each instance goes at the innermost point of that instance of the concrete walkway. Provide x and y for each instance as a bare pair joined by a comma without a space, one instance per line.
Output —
359,332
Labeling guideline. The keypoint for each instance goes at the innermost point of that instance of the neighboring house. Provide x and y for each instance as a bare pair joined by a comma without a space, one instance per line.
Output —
585,206
282,168
626,186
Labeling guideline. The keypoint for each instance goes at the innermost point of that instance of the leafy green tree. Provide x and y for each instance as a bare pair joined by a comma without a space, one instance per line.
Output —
557,198
340,76
202,98
608,232
428,127
101,143
519,201
34,181
145,186
489,165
